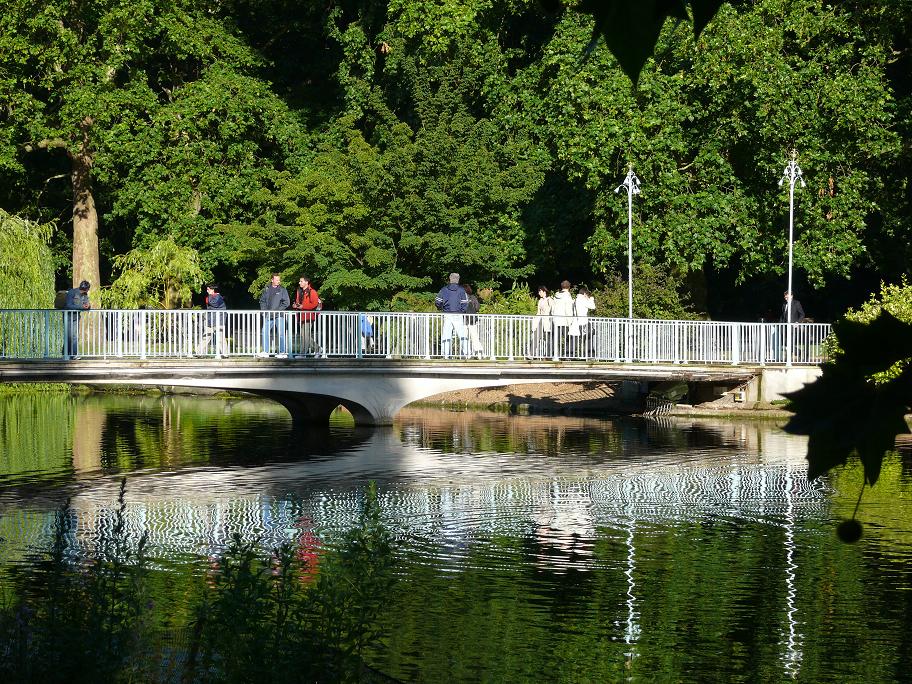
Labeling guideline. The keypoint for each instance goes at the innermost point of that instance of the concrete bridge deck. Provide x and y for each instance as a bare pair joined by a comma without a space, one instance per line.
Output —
372,389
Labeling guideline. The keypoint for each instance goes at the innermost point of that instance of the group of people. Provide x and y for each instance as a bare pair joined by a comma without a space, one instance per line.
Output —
560,327
273,299
561,320
564,317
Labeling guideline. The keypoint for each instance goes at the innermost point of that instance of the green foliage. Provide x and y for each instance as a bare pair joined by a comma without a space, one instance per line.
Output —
657,294
72,624
708,129
26,264
517,300
379,145
165,276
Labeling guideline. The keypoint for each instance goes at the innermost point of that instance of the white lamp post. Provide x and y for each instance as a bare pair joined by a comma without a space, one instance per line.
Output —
792,174
632,183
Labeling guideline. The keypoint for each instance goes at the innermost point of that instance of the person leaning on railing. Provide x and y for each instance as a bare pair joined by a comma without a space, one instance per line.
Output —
77,300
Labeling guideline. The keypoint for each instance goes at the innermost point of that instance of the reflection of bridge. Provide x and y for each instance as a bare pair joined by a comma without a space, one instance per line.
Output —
376,363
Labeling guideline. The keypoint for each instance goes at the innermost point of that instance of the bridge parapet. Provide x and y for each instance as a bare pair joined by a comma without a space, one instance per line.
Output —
152,334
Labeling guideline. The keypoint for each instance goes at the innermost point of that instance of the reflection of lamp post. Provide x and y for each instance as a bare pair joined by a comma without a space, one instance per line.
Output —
632,183
791,173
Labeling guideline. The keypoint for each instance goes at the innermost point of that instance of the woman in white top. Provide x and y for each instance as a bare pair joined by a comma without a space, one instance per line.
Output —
582,305
541,326
562,311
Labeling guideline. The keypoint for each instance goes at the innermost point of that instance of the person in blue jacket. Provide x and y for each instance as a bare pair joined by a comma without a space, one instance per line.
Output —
452,301
77,300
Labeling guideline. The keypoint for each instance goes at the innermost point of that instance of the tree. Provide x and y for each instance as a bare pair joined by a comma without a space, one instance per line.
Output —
165,276
709,131
26,266
152,106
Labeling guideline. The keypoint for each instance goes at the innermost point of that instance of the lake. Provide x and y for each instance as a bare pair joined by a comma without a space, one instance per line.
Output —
528,548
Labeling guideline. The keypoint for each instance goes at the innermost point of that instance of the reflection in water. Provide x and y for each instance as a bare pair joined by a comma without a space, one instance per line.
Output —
529,544
88,427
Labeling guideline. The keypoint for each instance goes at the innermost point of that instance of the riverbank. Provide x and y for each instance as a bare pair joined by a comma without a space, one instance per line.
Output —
589,398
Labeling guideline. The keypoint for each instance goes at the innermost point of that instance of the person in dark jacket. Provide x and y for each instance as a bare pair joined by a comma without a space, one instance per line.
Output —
792,311
452,300
77,301
215,324
274,299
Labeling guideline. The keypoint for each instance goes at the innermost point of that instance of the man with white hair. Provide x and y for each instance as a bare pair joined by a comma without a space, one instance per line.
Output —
452,300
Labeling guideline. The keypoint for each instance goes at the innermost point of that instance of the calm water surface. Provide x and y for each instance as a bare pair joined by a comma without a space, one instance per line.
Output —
529,548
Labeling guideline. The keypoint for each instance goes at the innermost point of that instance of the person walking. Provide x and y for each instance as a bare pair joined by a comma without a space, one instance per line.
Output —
77,301
273,300
473,306
541,325
215,324
452,301
307,301
562,311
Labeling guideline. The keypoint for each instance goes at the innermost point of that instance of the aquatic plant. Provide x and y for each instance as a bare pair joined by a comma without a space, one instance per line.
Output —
70,617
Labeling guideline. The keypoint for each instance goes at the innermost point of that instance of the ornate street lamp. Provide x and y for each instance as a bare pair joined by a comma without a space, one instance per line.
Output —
632,183
792,174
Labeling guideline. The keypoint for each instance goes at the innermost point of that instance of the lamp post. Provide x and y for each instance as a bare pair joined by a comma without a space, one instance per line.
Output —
792,174
632,183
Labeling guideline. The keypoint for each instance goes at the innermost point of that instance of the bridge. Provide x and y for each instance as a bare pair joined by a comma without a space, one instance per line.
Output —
376,363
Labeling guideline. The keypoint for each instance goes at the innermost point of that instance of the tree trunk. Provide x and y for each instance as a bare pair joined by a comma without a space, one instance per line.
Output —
85,215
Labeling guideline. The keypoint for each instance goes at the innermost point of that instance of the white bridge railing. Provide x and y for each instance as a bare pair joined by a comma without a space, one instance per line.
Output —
154,334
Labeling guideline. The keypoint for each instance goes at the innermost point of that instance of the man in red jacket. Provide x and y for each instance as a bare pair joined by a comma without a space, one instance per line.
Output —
307,301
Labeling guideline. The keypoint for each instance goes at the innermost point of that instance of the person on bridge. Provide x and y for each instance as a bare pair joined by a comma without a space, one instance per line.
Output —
562,311
541,325
792,311
273,299
471,320
582,305
307,301
77,300
215,324
452,299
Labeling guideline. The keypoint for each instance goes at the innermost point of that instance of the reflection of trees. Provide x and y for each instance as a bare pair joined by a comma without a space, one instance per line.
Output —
35,434
481,432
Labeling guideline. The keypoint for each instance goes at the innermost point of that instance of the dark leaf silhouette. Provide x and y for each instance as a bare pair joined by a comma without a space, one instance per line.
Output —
631,29
845,412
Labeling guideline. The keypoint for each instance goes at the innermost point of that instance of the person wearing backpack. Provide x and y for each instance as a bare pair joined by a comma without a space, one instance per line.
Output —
471,321
77,301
